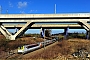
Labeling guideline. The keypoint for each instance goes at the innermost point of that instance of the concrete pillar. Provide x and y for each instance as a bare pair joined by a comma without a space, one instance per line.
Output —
42,32
5,32
16,30
66,33
9,36
88,35
12,37
23,29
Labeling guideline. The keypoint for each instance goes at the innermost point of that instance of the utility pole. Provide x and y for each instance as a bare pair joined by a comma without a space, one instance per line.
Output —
0,9
44,39
43,35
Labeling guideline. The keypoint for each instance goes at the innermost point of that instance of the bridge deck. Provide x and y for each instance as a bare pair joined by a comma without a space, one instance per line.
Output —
44,15
38,26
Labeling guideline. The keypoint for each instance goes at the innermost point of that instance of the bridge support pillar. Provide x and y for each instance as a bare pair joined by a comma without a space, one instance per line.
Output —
88,35
12,37
16,30
5,32
66,33
9,36
23,29
42,32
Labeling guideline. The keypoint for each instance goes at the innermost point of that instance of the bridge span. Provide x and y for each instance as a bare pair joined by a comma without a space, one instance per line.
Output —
82,20
49,26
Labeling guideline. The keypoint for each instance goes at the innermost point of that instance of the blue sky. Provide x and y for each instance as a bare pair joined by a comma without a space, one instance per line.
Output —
45,7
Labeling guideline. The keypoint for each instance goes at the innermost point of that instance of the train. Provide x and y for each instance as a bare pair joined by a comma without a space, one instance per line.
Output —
28,48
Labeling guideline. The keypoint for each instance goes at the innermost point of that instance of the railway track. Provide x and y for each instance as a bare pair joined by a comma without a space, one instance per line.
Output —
37,51
21,56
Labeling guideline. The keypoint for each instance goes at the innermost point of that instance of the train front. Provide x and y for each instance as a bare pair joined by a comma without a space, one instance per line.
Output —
21,49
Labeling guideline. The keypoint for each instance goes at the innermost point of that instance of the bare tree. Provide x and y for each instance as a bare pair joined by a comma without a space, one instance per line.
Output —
47,32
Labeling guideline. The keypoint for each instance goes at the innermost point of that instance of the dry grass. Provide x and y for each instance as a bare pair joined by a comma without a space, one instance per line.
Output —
79,43
6,46
10,45
51,53
62,49
1,37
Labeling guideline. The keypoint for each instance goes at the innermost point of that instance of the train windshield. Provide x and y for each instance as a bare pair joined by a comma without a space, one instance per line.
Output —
22,47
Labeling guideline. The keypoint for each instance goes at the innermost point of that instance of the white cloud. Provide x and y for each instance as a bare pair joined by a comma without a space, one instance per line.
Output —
22,4
10,4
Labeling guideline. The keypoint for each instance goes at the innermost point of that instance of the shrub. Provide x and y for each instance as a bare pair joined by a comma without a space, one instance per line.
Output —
61,37
47,32
31,35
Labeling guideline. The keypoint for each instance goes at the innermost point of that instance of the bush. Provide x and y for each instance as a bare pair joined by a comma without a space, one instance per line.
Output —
47,32
81,36
60,37
70,37
31,35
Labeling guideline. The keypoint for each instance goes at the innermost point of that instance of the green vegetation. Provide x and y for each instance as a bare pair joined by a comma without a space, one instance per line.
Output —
77,35
71,35
60,37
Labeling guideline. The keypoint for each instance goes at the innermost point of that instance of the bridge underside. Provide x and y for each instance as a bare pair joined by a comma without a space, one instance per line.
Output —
29,25
47,27
29,20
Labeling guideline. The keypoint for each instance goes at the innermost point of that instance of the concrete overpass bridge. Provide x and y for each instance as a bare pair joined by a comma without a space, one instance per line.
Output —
46,26
82,20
